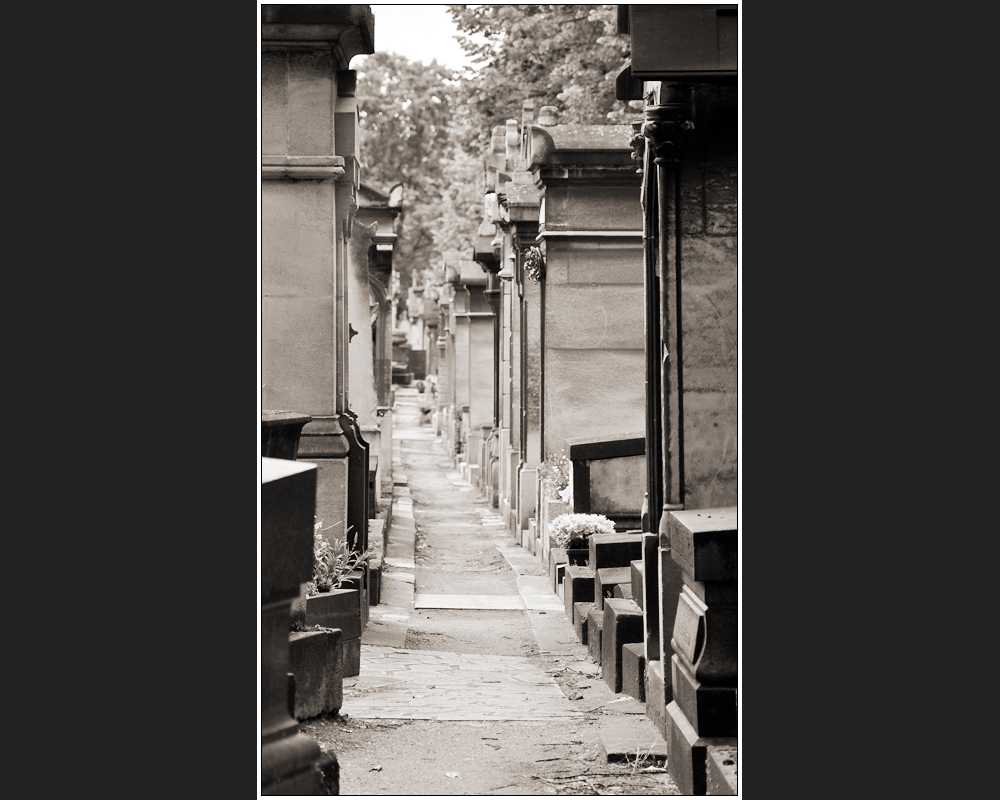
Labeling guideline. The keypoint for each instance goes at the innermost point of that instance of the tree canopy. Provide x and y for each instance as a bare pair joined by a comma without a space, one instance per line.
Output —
428,127
560,55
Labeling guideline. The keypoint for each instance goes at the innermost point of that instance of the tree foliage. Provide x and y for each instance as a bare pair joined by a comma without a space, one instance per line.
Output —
428,127
560,55
405,110
413,130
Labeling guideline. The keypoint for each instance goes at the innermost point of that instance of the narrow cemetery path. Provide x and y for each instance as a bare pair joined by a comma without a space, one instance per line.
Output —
472,679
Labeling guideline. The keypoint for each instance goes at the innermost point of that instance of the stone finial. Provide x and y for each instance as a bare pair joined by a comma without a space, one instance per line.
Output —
548,116
513,139
497,139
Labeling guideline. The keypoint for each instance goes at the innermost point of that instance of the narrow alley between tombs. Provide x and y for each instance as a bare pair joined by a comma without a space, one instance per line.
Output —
472,679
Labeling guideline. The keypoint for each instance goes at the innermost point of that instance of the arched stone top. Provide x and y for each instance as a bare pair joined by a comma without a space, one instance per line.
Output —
562,142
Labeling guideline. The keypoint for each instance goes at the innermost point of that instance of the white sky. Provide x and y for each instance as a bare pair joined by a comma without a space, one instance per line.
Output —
418,32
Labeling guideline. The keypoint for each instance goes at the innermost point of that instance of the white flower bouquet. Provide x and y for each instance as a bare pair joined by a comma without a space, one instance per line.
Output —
573,531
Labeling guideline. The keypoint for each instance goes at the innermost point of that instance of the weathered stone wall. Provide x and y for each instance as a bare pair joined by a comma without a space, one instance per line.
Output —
594,345
297,304
709,184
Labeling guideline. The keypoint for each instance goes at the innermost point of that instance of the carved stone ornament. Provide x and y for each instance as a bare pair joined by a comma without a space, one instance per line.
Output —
668,130
534,264
638,144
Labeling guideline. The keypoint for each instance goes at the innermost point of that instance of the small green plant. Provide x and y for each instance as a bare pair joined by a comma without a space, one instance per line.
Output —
554,474
573,531
332,561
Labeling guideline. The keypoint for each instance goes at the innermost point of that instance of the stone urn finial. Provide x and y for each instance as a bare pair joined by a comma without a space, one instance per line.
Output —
548,116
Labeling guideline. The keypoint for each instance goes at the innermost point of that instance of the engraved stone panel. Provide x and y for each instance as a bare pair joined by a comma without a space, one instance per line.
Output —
689,626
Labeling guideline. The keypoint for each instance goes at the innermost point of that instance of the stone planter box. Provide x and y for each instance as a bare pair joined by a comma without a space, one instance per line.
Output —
316,659
340,608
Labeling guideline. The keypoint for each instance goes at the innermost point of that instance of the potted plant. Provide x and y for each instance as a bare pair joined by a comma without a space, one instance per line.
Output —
573,532
333,561
324,602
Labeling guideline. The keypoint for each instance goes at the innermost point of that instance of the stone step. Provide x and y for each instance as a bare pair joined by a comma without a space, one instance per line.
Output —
557,569
638,576
723,763
614,549
605,580
622,738
623,591
622,625
688,752
580,612
658,694
578,587
595,622
634,670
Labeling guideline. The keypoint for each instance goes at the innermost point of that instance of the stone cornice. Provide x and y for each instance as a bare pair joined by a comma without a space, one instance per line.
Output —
620,174
547,234
349,29
303,168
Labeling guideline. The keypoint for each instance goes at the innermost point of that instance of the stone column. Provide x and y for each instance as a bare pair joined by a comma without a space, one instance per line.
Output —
666,129
309,173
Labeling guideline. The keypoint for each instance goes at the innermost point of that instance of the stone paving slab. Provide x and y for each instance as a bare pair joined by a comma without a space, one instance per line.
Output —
625,738
429,684
542,602
484,602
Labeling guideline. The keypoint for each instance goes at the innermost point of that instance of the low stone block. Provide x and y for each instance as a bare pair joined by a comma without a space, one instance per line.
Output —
634,671
621,738
638,577
614,549
605,580
578,587
688,751
721,778
580,612
352,657
657,696
560,576
557,559
651,600
595,621
623,591
375,584
711,710
622,625
316,661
